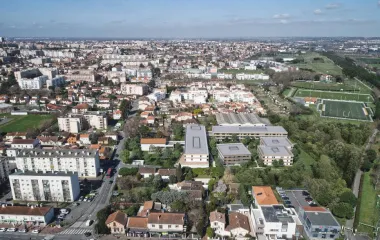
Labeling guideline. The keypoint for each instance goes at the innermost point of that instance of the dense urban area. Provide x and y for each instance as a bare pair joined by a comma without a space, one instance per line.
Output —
190,139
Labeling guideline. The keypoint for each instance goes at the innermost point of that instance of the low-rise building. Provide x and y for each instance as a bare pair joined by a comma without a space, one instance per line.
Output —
26,214
166,222
117,222
276,142
148,143
233,153
48,186
222,132
280,154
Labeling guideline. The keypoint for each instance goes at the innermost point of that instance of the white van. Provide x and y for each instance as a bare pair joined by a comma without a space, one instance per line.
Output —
64,211
89,222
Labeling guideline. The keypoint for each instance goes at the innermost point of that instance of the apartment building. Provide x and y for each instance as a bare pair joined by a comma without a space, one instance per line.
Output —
35,83
196,153
318,223
271,220
276,142
96,120
233,153
70,124
55,82
4,169
134,89
81,75
74,123
83,161
280,154
26,214
45,186
221,132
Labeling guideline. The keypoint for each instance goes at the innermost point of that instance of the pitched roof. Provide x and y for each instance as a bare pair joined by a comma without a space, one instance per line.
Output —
24,210
118,217
237,220
153,141
216,216
137,222
145,170
264,195
82,106
23,141
166,172
314,209
166,218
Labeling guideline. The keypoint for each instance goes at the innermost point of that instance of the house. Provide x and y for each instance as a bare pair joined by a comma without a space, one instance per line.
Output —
117,222
310,100
137,225
218,223
111,135
117,114
151,119
148,143
11,135
238,225
103,140
72,139
146,171
51,140
166,173
25,143
85,139
81,108
166,222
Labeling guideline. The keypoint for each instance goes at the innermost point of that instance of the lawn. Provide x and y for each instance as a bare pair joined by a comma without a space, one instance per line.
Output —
351,85
23,123
326,66
334,95
368,214
350,110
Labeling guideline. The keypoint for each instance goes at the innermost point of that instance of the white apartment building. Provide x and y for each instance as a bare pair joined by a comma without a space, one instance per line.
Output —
134,89
45,186
196,148
73,123
96,120
55,82
245,76
26,214
70,124
83,161
4,169
81,75
59,54
35,83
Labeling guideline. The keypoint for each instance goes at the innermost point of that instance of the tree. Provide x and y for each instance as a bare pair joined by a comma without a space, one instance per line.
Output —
102,215
210,232
371,155
348,197
128,171
125,156
343,210
158,183
111,97
127,183
132,210
172,179
178,206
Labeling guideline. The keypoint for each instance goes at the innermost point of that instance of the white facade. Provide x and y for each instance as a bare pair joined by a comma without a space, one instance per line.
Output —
25,214
196,153
70,124
134,89
4,169
57,187
35,83
83,161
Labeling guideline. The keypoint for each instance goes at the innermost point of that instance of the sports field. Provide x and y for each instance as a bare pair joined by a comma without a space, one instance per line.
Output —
319,64
348,110
334,95
23,123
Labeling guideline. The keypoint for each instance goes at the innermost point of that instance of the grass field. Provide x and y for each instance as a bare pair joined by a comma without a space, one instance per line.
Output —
351,85
350,110
368,212
334,95
23,123
325,67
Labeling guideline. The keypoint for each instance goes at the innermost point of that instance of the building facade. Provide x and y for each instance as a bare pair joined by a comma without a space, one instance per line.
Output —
134,89
233,153
222,132
26,214
196,153
48,186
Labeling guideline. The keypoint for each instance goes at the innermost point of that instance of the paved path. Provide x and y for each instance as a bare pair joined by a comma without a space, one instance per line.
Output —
356,186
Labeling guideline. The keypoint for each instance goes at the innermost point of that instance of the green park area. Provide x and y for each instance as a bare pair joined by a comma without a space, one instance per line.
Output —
22,123
318,63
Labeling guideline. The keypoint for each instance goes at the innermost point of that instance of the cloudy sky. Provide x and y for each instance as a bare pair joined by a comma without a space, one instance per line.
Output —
189,18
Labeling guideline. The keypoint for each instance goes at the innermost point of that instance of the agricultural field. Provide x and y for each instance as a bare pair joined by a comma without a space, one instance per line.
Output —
318,63
23,123
374,62
344,96
345,110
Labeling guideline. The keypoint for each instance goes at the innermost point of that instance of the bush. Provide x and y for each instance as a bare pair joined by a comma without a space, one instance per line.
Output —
348,197
343,210
128,171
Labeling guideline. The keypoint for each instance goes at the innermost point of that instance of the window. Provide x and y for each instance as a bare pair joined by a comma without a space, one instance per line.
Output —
160,226
153,225
176,226
169,226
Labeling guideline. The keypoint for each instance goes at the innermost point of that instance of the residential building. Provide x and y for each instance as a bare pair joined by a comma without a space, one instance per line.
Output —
238,226
117,222
55,82
147,171
280,154
24,143
26,214
221,132
276,142
4,169
148,143
137,225
35,83
74,123
166,222
196,153
264,195
238,119
134,89
83,161
218,223
233,153
318,223
45,186
70,124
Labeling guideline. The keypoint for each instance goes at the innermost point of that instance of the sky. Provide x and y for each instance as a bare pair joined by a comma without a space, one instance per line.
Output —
189,18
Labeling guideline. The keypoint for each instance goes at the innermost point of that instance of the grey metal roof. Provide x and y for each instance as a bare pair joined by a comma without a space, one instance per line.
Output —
229,149
248,129
237,119
321,218
50,174
60,153
275,151
196,139
276,141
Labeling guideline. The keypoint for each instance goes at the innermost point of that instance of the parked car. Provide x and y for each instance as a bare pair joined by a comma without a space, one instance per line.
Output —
89,222
85,199
75,204
12,230
285,198
3,229
35,231
23,230
305,193
64,211
87,234
290,206
287,202
81,198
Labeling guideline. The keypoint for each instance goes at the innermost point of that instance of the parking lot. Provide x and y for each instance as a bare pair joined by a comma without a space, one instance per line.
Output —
296,198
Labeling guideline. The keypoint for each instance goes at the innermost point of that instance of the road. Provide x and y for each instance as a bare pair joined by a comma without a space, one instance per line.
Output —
356,186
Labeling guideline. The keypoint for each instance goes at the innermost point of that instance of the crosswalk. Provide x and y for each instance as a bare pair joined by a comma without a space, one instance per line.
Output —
74,231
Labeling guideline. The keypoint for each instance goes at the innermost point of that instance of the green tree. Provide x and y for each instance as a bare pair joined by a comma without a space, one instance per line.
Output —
128,171
125,156
377,110
343,210
210,232
178,206
348,197
371,155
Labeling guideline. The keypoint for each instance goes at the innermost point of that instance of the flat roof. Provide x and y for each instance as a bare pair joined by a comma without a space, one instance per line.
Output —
229,149
249,129
237,119
40,173
276,141
60,153
275,151
196,139
321,218
276,213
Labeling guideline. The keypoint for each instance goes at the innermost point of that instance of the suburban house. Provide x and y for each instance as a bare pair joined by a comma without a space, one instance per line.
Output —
166,222
146,171
237,225
148,143
117,222
84,138
166,173
218,223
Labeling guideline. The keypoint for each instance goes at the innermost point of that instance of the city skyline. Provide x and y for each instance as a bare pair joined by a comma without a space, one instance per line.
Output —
189,19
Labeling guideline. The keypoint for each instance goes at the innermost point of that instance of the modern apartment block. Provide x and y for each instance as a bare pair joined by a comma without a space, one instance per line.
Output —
48,186
196,148
74,123
276,142
4,169
222,132
275,149
83,161
318,223
233,153
134,89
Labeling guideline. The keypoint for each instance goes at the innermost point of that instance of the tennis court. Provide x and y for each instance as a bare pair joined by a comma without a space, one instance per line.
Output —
345,110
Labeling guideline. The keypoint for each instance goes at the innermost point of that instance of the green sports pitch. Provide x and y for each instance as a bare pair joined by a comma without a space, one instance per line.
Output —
334,95
345,110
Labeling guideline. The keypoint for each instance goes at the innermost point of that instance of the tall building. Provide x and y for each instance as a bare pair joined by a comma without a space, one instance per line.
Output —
83,161
70,124
196,148
74,123
134,89
4,169
2,39
48,186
